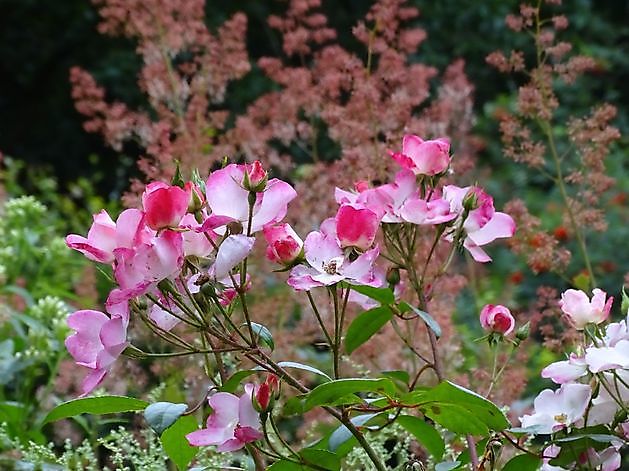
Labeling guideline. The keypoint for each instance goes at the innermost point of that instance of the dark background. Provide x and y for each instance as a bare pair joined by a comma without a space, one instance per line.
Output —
41,39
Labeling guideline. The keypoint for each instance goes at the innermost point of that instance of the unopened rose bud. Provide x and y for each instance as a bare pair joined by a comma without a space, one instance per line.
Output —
497,318
164,205
255,177
266,394
393,276
523,332
197,198
284,245
470,201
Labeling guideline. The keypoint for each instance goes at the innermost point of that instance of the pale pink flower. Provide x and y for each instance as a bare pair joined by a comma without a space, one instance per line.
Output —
497,318
195,242
566,371
233,250
605,406
105,236
328,264
608,358
227,197
555,410
284,245
164,205
483,223
97,341
233,422
423,157
419,211
580,311
356,226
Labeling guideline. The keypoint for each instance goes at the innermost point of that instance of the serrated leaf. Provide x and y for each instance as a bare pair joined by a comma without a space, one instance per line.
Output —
264,334
95,405
176,445
430,322
425,434
523,462
327,393
382,295
365,325
162,415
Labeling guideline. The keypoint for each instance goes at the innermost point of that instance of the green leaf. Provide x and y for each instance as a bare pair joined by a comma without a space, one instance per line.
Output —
176,445
430,322
300,366
382,295
264,334
624,305
234,380
425,434
342,434
327,393
460,410
95,405
162,415
322,458
523,462
365,325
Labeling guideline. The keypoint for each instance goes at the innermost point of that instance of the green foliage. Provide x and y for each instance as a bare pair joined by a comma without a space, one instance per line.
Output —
94,405
365,325
174,442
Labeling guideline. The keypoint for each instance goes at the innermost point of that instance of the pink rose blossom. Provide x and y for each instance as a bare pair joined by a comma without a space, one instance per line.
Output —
97,341
580,311
566,371
227,197
497,318
555,410
356,226
105,236
164,205
483,224
284,245
233,422
423,157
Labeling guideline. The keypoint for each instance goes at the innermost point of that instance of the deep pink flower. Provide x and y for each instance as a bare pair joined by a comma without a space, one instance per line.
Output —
164,205
266,392
356,226
497,318
105,236
233,422
581,311
97,341
483,223
255,177
423,157
227,197
284,245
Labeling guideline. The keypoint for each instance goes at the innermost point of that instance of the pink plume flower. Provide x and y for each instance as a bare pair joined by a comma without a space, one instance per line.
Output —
164,205
356,226
227,197
497,318
580,311
105,236
96,343
233,422
284,245
423,157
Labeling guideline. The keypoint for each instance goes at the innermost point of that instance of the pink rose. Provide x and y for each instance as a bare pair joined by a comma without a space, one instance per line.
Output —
423,157
497,318
581,311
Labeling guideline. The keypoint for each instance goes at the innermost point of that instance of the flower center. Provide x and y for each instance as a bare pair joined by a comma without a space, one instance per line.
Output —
561,418
330,267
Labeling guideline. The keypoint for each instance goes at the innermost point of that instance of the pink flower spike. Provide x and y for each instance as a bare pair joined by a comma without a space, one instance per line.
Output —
356,226
284,245
497,318
580,311
164,205
423,157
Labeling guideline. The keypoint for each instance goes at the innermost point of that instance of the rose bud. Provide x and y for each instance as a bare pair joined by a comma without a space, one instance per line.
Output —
497,318
285,247
255,177
197,198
